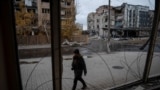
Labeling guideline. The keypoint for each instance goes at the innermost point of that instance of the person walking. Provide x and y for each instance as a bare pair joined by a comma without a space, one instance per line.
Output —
78,66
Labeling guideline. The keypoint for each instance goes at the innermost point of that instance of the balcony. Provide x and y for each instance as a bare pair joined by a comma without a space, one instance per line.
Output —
63,5
119,18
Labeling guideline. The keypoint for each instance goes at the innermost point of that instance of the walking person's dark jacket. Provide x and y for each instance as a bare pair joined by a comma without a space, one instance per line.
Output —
78,63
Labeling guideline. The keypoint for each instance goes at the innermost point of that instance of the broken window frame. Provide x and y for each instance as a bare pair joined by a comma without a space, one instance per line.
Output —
11,65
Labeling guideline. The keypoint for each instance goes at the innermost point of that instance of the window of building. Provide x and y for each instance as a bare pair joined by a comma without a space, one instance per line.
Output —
97,20
45,10
130,13
106,19
48,10
17,9
62,12
134,14
45,0
97,26
68,3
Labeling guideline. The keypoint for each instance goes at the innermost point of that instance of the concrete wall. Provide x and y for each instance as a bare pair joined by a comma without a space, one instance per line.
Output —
81,38
32,40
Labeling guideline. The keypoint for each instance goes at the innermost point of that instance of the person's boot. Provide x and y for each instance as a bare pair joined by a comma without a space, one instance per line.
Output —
84,87
74,87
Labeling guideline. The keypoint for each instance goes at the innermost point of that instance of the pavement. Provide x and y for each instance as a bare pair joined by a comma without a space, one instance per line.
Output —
104,70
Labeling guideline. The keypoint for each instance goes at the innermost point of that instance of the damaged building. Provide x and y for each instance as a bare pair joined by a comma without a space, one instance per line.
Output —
126,21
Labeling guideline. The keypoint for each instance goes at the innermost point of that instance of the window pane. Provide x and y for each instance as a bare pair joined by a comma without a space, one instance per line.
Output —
34,44
129,30
155,62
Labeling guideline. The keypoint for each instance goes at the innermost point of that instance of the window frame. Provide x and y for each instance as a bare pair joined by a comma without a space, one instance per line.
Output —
8,46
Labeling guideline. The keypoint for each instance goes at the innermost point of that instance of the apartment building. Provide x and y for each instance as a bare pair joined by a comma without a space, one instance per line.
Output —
98,20
43,7
31,5
68,12
90,22
126,16
133,16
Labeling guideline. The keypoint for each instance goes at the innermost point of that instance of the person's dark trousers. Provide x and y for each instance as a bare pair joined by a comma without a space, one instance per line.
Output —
78,76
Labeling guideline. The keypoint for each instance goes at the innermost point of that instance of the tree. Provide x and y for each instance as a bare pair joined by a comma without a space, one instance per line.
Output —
24,19
68,29
68,25
45,22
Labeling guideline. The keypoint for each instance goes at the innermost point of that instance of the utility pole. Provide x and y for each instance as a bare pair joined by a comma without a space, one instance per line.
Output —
109,13
108,36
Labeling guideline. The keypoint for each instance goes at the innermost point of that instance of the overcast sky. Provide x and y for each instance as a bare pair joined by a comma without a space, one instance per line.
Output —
87,6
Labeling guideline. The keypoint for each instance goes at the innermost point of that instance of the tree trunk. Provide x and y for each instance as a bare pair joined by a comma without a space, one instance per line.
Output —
45,29
108,46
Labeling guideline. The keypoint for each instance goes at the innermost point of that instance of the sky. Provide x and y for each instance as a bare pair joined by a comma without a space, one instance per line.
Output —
84,7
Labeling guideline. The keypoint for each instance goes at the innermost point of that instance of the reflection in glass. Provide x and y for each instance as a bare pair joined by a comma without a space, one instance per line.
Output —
130,27
33,37
155,62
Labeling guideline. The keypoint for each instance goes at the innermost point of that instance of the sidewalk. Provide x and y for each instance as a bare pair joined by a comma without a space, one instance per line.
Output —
104,71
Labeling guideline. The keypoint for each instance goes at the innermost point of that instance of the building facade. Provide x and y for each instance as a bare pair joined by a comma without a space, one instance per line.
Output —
126,16
90,23
31,5
68,12
135,16
43,12
79,26
134,20
98,20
